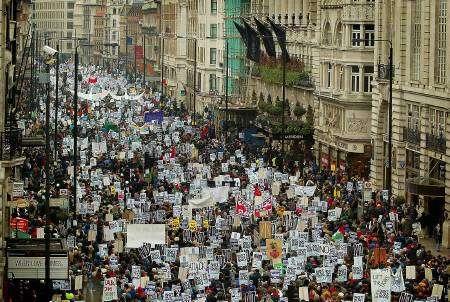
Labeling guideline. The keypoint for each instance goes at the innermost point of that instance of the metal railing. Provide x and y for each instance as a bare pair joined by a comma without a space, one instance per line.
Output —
11,143
411,135
436,142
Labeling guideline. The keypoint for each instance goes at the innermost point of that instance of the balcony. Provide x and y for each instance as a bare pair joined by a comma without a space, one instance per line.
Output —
436,142
11,144
411,135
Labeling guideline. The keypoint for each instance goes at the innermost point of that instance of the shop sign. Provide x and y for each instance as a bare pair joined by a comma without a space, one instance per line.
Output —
17,189
24,267
350,147
19,224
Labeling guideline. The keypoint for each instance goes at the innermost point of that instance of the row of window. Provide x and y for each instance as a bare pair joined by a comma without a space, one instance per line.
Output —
53,25
367,74
212,55
436,167
212,30
436,119
54,5
440,71
365,33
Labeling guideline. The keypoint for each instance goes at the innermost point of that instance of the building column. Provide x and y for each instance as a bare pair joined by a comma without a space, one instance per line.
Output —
361,79
399,116
446,159
379,117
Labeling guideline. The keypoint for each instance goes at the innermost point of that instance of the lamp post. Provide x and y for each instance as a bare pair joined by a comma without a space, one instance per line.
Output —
391,75
49,61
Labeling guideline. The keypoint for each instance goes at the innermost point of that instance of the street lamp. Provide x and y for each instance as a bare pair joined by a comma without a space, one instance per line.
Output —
49,61
391,75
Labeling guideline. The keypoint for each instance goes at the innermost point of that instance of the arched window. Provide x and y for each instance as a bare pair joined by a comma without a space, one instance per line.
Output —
338,34
327,34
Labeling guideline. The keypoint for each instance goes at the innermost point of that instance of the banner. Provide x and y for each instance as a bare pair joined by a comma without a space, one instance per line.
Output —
153,116
139,52
202,202
110,289
138,234
380,280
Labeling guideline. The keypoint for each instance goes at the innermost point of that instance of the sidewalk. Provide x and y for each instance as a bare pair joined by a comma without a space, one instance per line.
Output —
430,244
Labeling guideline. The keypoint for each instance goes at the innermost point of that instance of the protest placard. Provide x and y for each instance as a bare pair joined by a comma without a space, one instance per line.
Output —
110,289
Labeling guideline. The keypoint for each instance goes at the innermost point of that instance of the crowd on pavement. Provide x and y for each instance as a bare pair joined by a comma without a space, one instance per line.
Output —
239,223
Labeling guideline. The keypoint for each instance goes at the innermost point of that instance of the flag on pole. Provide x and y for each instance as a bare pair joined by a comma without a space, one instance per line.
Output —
254,44
280,32
267,38
253,48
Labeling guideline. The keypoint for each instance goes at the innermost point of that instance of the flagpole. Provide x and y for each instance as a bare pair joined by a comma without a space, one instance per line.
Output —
226,87
283,57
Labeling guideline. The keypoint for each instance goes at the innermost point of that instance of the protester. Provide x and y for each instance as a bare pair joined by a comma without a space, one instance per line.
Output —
242,224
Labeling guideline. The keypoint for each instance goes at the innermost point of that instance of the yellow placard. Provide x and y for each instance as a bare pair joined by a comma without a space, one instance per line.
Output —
193,225
176,223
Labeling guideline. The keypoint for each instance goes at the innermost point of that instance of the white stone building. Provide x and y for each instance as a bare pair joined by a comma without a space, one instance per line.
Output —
55,19
421,103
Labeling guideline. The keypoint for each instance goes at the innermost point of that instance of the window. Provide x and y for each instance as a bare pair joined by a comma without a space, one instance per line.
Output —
437,169
341,78
114,36
213,31
356,34
70,5
412,159
437,121
329,75
212,56
199,81
369,35
339,34
416,34
213,6
355,78
69,45
69,25
368,78
413,116
327,34
114,23
69,14
202,54
212,82
441,43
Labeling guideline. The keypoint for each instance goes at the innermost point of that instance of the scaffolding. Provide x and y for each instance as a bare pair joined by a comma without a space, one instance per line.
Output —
238,65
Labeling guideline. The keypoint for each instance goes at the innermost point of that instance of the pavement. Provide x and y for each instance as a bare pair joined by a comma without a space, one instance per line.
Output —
430,244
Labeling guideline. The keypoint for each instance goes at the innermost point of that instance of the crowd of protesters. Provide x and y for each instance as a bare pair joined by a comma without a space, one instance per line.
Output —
135,170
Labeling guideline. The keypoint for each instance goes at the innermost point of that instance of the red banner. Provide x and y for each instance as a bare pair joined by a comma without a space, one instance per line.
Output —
19,224
139,52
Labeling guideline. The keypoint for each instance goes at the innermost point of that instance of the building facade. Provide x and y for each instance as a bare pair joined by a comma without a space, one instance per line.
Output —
421,103
210,54
344,73
55,19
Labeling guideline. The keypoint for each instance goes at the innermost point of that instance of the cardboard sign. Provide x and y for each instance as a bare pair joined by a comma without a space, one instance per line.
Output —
110,289
265,229
274,248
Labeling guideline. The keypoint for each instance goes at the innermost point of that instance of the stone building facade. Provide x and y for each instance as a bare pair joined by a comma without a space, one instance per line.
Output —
320,34
421,103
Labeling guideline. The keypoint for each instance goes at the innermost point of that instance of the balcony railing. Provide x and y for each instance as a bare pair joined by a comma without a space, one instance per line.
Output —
436,142
11,143
411,135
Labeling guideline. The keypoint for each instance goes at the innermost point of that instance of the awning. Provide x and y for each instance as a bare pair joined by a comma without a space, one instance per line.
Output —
425,186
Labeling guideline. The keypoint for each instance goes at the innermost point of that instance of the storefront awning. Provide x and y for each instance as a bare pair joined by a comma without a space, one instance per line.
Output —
425,186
